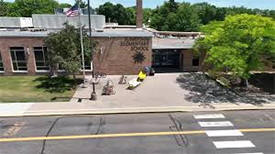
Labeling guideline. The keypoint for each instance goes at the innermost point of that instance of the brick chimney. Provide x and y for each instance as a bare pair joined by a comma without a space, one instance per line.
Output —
139,13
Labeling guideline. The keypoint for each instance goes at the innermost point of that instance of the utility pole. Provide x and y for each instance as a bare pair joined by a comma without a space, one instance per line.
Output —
93,95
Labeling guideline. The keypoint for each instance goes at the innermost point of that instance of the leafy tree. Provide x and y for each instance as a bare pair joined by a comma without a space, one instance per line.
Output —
131,15
64,49
160,14
26,8
147,13
120,15
238,44
185,19
117,13
206,12
220,13
64,5
107,10
81,3
4,8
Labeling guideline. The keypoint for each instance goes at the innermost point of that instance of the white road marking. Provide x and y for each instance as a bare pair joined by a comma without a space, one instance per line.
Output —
216,124
233,144
219,133
209,116
251,153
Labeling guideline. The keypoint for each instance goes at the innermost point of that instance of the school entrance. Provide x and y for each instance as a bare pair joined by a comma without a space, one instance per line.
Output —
167,60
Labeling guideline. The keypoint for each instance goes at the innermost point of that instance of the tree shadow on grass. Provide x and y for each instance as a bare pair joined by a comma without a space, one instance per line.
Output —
57,84
203,89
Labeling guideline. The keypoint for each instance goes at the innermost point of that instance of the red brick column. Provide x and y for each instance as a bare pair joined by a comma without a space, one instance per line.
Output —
6,58
30,58
139,14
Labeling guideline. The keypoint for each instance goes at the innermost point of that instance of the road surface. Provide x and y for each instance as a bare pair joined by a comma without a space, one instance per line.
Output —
163,133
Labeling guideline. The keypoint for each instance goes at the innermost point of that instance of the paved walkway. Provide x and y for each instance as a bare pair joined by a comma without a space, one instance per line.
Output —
161,90
160,93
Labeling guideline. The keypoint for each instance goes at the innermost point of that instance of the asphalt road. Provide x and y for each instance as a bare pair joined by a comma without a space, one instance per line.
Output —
165,133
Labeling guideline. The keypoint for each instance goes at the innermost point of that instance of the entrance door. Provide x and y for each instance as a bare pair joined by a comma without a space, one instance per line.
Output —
166,60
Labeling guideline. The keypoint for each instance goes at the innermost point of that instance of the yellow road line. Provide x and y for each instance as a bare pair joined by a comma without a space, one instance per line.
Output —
23,139
251,130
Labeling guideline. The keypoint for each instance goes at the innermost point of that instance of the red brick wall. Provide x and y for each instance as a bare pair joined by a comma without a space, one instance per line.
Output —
6,43
188,61
115,55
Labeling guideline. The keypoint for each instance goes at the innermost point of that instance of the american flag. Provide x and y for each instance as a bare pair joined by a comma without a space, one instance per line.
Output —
73,11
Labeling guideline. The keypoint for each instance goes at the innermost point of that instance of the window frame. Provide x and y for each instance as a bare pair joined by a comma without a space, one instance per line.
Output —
25,59
43,49
87,70
1,62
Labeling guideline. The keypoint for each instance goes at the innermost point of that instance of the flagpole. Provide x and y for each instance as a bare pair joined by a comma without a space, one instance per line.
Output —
81,44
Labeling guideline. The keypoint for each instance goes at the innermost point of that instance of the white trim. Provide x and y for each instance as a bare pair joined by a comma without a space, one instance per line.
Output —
19,71
86,70
42,71
43,52
61,71
2,71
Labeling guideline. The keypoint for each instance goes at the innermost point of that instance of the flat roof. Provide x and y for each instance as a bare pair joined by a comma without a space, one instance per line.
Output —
105,33
122,33
173,43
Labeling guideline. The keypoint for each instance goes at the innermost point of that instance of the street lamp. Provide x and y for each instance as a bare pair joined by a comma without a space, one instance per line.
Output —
93,95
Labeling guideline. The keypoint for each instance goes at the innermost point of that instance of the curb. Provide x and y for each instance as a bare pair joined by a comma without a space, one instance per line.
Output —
138,110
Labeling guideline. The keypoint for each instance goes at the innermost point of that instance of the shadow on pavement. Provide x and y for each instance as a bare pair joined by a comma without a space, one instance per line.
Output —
203,89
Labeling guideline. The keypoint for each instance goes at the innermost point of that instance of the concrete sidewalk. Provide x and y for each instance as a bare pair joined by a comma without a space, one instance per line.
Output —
67,108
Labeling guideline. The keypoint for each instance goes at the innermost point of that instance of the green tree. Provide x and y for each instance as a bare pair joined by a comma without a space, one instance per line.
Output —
117,13
185,19
26,8
81,3
238,44
131,14
147,13
4,8
107,10
159,15
64,49
64,5
120,15
220,13
206,12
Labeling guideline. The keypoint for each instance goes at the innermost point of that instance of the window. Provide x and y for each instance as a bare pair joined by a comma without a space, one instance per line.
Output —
1,64
196,61
41,58
88,65
18,59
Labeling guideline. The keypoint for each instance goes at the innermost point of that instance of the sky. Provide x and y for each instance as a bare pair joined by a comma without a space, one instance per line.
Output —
261,4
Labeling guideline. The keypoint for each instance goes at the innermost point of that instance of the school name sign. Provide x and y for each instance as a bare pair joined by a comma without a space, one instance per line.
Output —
136,44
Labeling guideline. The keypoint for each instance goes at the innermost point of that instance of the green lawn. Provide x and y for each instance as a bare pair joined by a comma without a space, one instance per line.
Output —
35,89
